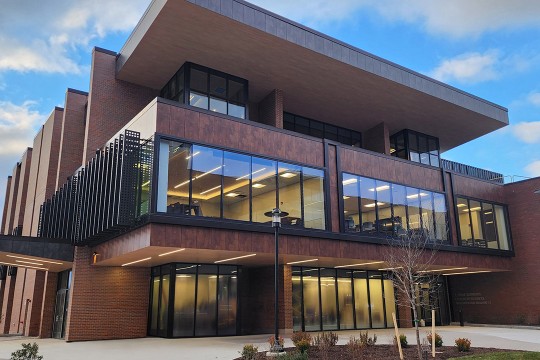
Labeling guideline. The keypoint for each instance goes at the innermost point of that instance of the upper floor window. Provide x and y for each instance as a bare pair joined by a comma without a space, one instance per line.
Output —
415,146
482,224
202,181
208,89
379,207
321,130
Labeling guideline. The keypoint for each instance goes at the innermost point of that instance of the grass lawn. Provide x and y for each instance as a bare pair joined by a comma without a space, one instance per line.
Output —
504,356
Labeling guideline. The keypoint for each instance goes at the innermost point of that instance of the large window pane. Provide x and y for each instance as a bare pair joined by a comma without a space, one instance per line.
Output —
389,301
384,207
345,299
289,193
297,298
368,204
155,304
164,304
263,188
490,230
441,222
227,300
400,213
502,230
475,210
199,81
206,301
328,299
236,180
312,315
426,202
313,191
184,300
351,195
464,222
206,182
361,299
376,301
413,203
179,162
218,105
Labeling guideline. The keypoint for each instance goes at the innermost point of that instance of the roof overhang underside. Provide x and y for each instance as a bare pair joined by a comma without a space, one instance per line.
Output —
322,78
35,253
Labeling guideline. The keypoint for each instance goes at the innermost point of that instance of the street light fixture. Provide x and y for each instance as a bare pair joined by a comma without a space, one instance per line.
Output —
276,216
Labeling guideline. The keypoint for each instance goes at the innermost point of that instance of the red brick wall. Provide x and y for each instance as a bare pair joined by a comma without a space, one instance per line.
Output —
20,205
508,297
72,136
6,204
111,104
34,292
7,303
48,304
12,199
271,109
106,302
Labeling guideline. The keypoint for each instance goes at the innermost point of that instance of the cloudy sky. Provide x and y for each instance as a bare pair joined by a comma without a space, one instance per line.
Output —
490,48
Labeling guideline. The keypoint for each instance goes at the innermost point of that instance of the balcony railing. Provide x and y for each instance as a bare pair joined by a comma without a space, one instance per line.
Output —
472,171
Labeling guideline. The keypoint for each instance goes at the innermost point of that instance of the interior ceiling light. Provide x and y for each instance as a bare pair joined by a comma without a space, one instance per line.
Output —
232,194
345,197
29,262
288,175
349,181
451,269
253,173
391,268
373,204
194,154
461,205
136,261
212,189
234,258
361,264
301,261
24,266
414,196
380,188
45,261
171,252
258,185
198,176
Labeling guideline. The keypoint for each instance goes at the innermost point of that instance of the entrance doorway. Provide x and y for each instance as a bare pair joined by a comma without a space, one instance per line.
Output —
433,296
61,305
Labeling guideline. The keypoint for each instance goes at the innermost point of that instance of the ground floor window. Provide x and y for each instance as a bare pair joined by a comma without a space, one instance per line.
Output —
339,299
193,300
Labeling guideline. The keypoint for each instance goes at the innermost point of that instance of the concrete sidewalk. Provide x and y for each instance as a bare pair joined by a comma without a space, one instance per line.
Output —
227,348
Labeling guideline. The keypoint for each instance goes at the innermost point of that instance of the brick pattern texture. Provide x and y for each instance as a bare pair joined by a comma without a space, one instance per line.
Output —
112,103
271,109
48,305
72,136
11,199
6,204
106,302
508,297
20,204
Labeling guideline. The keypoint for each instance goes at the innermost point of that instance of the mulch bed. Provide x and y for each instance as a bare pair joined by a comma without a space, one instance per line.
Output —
380,352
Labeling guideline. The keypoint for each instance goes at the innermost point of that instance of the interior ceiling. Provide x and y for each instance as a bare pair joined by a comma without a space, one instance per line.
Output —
314,85
34,262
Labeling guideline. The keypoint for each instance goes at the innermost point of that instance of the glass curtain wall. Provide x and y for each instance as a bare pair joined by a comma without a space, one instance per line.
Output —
382,208
204,181
208,89
415,146
201,300
482,224
332,299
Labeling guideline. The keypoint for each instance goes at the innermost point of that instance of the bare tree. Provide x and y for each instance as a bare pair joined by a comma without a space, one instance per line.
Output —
410,258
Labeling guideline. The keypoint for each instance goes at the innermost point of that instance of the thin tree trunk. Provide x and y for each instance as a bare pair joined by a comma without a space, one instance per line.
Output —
415,315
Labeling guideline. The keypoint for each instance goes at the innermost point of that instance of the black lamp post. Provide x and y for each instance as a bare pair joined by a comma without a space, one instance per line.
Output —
276,216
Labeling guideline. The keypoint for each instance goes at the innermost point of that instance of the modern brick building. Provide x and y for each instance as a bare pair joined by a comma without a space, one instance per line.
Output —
139,210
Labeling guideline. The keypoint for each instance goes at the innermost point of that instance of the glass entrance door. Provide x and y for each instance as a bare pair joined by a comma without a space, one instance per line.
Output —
60,313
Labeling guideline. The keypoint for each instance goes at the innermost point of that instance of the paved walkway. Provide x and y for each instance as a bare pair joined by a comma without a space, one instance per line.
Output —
227,348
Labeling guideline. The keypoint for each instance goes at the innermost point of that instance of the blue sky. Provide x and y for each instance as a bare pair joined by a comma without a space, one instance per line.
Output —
490,48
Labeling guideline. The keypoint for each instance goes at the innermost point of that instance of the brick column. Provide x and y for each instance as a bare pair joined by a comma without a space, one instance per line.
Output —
48,304
285,300
271,109
9,288
106,302
404,313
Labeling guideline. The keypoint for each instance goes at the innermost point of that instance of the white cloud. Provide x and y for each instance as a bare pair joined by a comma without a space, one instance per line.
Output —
18,125
43,36
468,68
456,18
533,169
528,132
534,98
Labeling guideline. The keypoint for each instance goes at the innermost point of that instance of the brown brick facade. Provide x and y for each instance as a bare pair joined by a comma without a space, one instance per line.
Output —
6,204
271,109
9,288
48,305
112,103
106,302
20,201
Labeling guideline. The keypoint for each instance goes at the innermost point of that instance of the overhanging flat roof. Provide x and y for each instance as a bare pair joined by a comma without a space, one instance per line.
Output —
322,78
